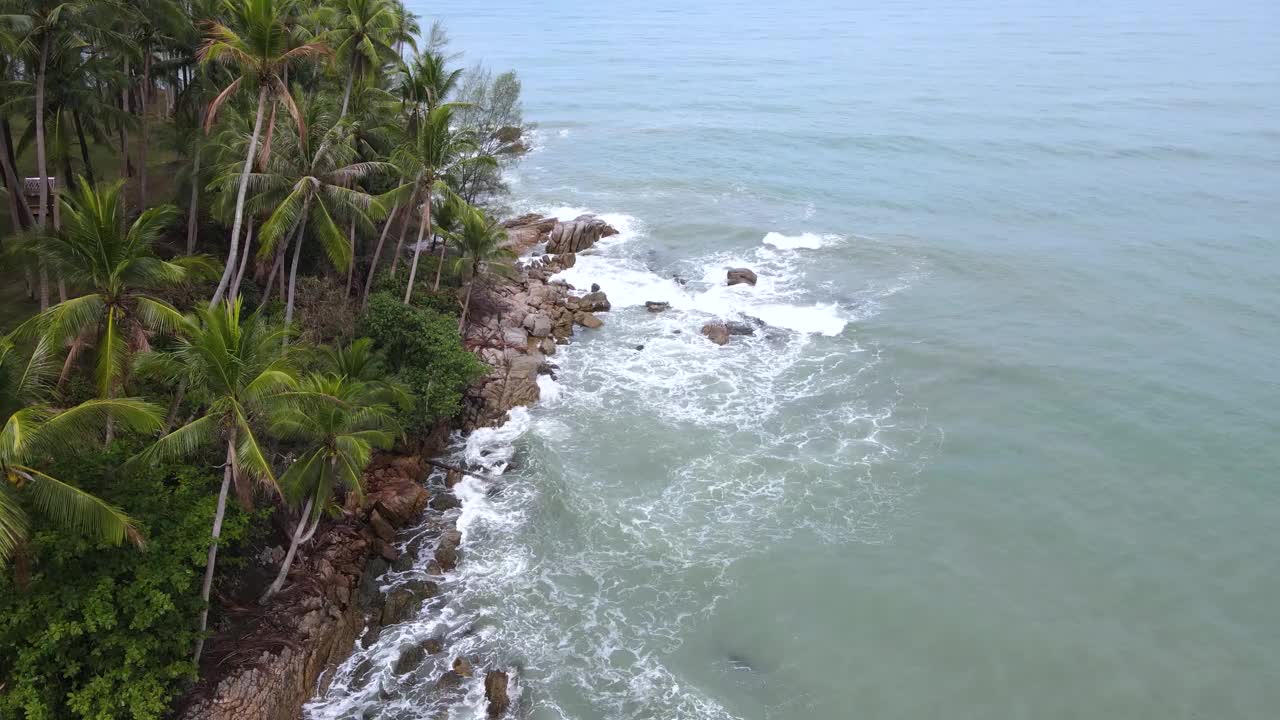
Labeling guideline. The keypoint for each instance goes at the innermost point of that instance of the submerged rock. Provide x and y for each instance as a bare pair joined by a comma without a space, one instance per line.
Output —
739,328
447,549
587,320
716,332
495,691
656,306
741,275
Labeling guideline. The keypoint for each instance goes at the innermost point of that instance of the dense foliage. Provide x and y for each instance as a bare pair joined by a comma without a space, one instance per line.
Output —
249,269
425,353
101,632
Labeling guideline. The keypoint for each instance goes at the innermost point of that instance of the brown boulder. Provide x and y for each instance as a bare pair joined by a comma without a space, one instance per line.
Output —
381,527
587,320
578,234
447,549
594,301
462,666
495,691
741,275
655,306
716,332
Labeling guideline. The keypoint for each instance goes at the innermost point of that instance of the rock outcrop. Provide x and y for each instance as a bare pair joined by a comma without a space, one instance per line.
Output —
578,234
312,625
495,691
738,276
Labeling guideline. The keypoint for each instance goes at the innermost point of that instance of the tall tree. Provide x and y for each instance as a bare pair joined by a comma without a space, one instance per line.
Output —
482,249
362,35
116,264
337,422
258,46
33,431
238,371
434,150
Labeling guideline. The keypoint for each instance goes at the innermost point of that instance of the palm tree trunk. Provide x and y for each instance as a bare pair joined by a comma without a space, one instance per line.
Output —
124,129
417,248
174,405
346,94
84,148
227,471
377,253
293,277
404,226
193,212
146,138
244,261
19,213
233,253
466,305
42,168
435,287
352,267
298,532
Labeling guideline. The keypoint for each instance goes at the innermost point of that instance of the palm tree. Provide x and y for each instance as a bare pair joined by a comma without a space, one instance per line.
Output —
482,248
338,424
404,27
435,149
238,371
359,362
307,186
32,431
362,34
258,45
95,251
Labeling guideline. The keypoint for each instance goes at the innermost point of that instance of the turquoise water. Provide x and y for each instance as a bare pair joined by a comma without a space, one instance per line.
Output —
1008,448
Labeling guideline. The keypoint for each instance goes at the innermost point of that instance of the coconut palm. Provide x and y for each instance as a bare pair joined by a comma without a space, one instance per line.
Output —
338,424
359,362
434,150
256,43
32,432
482,248
404,27
308,187
362,36
237,370
116,264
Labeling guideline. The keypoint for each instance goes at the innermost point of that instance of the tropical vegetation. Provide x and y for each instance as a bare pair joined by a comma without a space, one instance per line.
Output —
238,250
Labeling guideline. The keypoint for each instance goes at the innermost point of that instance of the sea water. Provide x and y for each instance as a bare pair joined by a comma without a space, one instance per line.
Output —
1005,443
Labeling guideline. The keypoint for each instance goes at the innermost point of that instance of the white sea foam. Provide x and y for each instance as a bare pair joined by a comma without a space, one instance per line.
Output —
803,241
591,587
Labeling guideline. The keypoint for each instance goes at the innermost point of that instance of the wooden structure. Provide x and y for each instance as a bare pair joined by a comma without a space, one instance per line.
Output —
31,192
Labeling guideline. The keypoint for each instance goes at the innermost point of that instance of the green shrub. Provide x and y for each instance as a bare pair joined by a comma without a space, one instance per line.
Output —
107,632
424,350
444,301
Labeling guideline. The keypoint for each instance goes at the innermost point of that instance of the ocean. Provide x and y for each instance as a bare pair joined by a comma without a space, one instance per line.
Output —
1007,444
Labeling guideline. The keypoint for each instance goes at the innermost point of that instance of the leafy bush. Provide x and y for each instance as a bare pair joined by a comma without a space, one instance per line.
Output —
324,312
107,632
444,301
424,350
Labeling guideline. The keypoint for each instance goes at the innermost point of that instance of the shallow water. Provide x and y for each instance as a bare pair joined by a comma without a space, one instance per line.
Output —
1006,446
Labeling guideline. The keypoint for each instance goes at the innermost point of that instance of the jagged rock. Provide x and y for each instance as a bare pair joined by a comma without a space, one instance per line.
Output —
445,501
410,658
594,301
587,320
639,347
451,478
495,691
578,234
547,346
595,287
449,681
716,332
656,306
432,646
381,527
515,338
388,551
462,666
741,275
508,134
400,605
739,328
538,325
447,549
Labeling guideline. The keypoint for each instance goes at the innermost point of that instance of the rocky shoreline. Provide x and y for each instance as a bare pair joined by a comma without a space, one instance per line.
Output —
268,662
